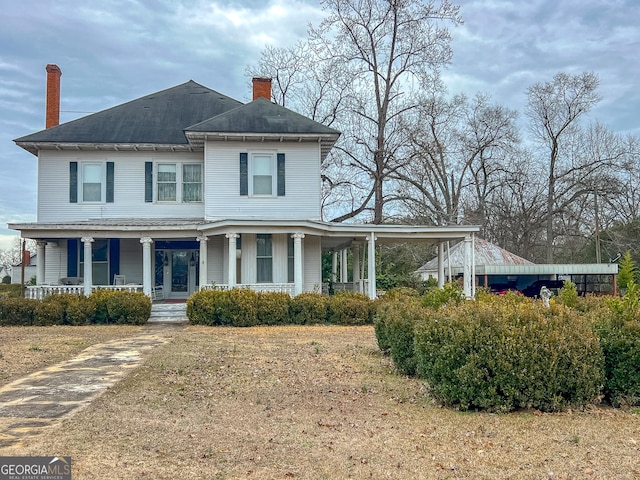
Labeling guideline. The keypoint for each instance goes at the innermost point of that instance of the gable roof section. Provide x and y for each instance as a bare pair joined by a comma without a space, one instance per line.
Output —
260,120
262,117
158,118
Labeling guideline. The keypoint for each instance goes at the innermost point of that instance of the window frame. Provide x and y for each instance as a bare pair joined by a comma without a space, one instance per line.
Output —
103,181
273,166
269,257
179,182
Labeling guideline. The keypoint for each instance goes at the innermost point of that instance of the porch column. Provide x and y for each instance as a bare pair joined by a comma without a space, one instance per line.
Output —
146,265
334,266
232,259
466,278
203,260
371,263
356,267
88,264
343,266
40,252
297,263
441,265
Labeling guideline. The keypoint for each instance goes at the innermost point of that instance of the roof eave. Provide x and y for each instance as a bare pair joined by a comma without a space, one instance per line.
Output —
35,147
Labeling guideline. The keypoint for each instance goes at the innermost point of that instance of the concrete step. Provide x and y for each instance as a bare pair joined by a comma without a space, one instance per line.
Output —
168,313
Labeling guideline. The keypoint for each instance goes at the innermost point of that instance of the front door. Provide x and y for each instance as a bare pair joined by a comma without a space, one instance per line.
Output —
177,272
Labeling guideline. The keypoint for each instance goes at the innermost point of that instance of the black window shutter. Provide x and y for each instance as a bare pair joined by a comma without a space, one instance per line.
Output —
114,257
73,182
72,257
109,182
281,175
148,181
244,174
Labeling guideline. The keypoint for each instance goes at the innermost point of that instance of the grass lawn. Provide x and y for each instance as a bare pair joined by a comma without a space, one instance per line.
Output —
313,403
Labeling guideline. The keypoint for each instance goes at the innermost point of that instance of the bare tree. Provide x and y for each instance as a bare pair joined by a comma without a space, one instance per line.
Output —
368,59
458,147
554,109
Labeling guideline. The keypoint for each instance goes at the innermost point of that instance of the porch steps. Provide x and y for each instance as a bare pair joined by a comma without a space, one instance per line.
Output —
168,313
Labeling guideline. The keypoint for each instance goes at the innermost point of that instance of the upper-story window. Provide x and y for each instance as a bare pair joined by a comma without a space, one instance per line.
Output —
177,182
262,174
192,183
91,182
262,179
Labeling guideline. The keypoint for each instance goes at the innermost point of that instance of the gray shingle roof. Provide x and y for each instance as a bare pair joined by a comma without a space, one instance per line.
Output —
263,117
159,118
163,117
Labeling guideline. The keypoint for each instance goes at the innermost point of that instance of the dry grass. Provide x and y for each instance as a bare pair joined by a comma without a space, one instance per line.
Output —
315,403
27,349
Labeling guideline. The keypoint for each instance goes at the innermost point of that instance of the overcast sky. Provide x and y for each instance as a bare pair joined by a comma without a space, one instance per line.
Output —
112,51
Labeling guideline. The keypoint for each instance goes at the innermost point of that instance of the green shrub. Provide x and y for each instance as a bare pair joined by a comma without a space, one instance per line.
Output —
239,307
519,355
75,309
131,308
201,307
436,297
12,290
568,295
99,299
17,311
394,325
620,341
49,312
273,308
308,309
6,280
349,308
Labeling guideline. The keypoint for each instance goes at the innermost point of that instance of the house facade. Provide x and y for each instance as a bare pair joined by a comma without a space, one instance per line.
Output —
187,188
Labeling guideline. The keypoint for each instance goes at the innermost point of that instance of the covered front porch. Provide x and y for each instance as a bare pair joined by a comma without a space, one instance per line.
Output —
172,259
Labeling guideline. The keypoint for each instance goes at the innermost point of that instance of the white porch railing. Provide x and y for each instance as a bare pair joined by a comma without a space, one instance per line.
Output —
39,292
256,287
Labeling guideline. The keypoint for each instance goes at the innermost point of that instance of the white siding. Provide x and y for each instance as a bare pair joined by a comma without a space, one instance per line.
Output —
55,263
216,263
129,187
312,267
302,173
131,261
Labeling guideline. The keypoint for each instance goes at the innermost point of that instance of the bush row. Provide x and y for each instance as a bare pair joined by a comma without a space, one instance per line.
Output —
245,308
10,290
506,353
101,307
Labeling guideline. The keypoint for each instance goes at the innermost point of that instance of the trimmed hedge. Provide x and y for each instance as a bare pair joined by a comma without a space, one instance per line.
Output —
245,308
349,308
394,325
521,355
102,306
308,309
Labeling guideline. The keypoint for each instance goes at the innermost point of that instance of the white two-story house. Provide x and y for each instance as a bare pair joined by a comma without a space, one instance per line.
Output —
186,188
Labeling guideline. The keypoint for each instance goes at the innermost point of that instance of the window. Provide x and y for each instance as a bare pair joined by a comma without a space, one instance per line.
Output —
262,174
175,182
192,183
91,182
99,260
167,183
264,258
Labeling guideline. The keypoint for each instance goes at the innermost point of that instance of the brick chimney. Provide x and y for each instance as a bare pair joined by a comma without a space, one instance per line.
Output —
262,88
53,95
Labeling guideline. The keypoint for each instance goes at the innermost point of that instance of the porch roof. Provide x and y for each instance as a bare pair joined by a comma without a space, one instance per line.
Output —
334,235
